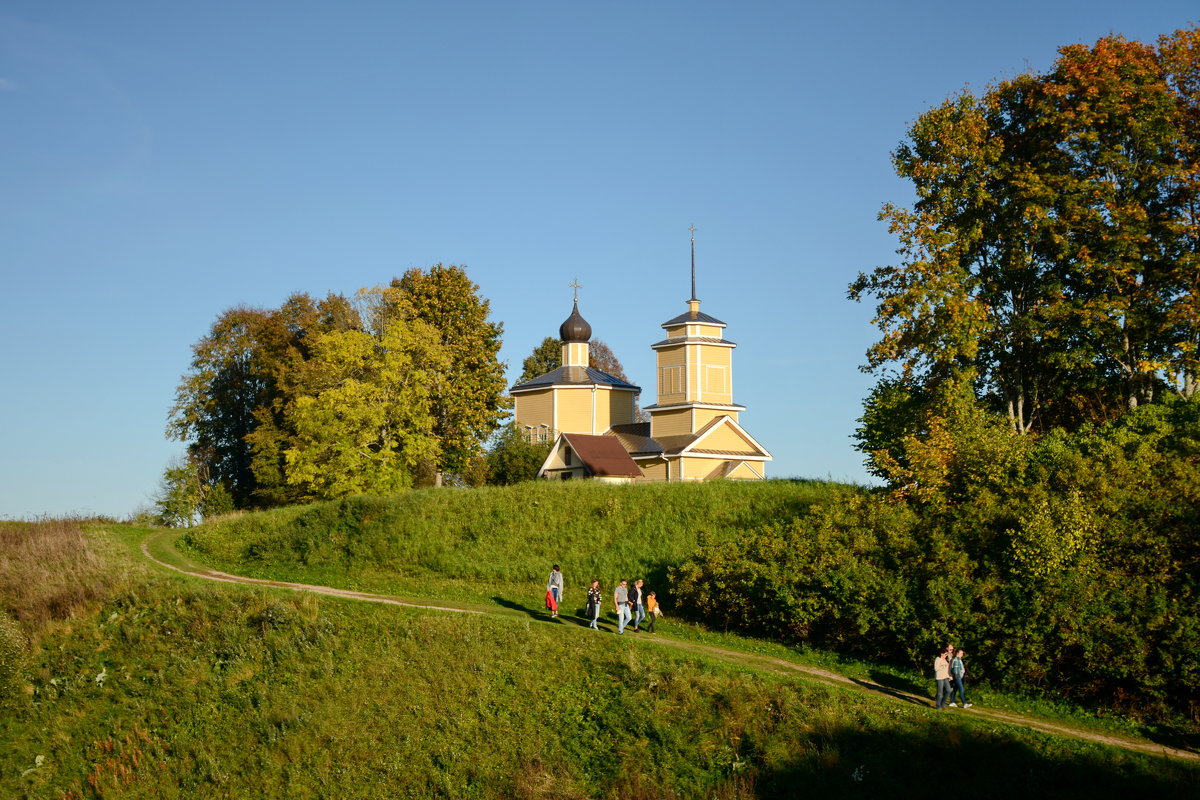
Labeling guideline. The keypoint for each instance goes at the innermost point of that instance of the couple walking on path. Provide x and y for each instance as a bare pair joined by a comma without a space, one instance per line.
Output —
949,672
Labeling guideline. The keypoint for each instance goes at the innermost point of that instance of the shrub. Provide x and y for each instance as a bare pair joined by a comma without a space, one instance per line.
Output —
1067,568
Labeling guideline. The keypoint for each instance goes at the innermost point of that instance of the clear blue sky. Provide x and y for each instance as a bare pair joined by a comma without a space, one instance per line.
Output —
162,162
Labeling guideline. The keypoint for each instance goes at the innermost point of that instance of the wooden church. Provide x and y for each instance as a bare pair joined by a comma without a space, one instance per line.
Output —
693,433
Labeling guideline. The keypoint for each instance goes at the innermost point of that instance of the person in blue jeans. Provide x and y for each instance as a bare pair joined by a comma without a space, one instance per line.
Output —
957,673
554,585
637,603
941,675
594,602
621,601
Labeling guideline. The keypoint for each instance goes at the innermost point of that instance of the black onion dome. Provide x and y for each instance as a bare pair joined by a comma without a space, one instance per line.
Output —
576,328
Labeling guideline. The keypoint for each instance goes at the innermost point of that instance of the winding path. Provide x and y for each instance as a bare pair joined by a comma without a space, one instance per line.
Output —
165,541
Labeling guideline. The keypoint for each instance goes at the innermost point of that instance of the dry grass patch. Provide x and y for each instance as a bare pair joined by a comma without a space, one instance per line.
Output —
48,571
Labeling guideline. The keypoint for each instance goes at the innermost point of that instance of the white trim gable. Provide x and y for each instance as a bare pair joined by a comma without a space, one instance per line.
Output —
738,429
554,457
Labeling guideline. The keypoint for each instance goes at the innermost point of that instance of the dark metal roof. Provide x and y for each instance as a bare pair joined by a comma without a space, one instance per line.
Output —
674,406
581,376
688,316
692,340
603,455
674,445
635,438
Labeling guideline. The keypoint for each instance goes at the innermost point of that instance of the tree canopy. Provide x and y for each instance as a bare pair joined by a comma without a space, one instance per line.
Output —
1051,260
322,399
468,389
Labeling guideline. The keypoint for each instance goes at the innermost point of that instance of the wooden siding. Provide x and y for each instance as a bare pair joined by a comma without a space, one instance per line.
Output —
671,383
716,388
574,410
535,408
726,438
620,410
575,354
702,469
676,331
671,423
654,470
707,415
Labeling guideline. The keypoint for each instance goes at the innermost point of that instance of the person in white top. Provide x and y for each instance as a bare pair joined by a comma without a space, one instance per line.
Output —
555,587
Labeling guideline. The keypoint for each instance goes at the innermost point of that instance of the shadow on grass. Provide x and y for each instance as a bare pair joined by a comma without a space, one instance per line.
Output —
537,612
900,684
904,694
852,762
566,616
1171,737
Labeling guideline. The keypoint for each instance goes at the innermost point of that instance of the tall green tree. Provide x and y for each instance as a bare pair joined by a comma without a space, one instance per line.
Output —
233,373
1179,55
240,379
1049,260
1116,125
362,418
323,398
468,390
306,321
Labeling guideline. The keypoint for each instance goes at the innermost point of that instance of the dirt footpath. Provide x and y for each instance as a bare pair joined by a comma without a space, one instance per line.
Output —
776,665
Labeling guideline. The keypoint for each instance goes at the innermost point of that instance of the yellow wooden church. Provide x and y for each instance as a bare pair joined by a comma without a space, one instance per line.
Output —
693,433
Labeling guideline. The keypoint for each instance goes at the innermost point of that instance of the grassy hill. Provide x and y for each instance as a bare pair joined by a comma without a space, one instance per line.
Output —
497,542
136,683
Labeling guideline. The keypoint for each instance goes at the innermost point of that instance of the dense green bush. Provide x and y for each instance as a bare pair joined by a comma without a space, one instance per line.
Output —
1071,570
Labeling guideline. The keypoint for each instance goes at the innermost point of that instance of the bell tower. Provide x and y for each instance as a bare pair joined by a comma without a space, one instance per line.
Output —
694,371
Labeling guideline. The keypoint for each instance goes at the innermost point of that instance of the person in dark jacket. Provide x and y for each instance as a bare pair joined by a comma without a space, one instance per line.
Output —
637,604
594,601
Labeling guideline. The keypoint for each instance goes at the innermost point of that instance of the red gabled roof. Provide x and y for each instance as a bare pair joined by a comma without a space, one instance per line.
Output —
603,455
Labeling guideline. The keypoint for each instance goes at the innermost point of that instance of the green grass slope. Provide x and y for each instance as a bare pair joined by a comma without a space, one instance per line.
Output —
164,686
497,542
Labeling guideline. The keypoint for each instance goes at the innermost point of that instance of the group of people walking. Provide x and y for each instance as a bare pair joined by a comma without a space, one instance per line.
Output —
633,604
949,672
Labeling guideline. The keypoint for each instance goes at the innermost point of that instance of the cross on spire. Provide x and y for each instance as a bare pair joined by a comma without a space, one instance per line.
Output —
576,285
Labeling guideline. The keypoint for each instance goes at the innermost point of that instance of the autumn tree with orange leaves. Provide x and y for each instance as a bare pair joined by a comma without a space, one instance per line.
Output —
1051,262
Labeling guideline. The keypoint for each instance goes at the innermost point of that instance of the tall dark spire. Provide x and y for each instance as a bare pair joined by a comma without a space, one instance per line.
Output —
692,228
